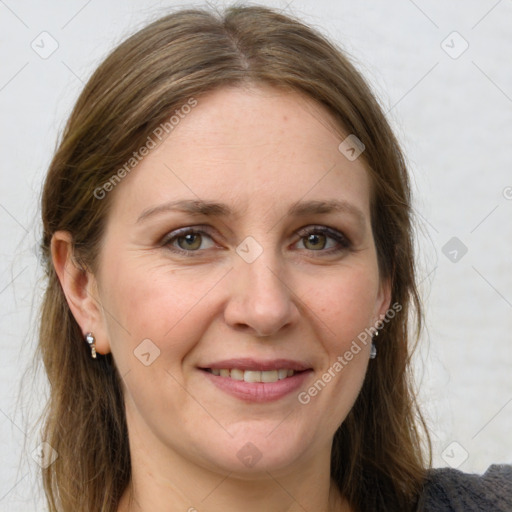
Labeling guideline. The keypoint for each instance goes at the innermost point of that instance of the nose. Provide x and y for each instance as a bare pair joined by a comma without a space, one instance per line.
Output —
261,302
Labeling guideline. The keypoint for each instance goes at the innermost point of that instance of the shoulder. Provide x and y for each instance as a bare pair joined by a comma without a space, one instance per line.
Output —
451,490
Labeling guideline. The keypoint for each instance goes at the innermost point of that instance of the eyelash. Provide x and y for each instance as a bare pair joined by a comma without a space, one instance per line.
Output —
343,242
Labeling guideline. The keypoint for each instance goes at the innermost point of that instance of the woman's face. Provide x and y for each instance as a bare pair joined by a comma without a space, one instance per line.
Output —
201,302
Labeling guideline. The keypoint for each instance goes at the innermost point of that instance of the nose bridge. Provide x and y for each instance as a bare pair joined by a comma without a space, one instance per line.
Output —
260,300
262,276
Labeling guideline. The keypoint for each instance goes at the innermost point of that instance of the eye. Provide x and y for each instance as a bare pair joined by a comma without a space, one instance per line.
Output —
190,241
315,238
187,240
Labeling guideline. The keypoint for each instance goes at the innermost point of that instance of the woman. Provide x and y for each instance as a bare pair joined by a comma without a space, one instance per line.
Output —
227,234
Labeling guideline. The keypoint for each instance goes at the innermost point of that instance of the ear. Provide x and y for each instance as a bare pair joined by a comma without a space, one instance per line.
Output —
383,301
81,290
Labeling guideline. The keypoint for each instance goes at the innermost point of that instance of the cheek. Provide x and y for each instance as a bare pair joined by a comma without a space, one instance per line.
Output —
156,303
346,304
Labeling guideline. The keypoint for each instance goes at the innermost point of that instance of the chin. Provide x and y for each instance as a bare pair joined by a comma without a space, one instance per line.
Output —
257,450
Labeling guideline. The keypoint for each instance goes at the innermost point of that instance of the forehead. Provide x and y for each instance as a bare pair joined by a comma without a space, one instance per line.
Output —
251,148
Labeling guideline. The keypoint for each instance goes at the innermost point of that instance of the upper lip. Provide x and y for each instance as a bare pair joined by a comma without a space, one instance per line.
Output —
259,365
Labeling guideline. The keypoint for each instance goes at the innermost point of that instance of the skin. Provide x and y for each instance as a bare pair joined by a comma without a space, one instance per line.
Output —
259,150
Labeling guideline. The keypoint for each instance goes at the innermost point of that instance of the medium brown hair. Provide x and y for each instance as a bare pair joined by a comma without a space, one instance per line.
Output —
381,450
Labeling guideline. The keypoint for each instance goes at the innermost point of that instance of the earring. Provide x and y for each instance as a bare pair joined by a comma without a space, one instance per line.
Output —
373,350
90,339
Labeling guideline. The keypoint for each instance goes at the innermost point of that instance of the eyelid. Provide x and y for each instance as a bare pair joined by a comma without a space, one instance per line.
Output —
180,232
344,243
326,230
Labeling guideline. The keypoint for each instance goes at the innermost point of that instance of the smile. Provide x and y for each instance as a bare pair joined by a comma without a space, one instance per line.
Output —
252,380
253,375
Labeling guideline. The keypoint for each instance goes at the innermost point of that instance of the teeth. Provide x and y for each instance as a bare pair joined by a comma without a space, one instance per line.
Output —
249,376
237,374
271,376
253,375
282,374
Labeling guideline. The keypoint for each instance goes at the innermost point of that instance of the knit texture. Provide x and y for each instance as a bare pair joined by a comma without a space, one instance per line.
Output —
451,490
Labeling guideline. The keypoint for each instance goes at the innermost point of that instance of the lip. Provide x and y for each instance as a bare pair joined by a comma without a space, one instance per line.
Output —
259,392
259,365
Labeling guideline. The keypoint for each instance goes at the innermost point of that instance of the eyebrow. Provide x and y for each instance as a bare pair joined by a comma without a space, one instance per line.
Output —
214,209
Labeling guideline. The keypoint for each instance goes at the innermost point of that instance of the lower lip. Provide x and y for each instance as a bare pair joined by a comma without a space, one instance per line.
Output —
258,391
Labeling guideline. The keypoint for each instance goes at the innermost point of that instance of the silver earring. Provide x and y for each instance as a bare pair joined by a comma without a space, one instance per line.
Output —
92,343
373,350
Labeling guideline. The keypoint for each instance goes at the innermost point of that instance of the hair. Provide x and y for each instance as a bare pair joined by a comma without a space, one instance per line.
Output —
382,449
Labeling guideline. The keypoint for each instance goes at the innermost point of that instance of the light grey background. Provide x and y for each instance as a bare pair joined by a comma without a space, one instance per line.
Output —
452,111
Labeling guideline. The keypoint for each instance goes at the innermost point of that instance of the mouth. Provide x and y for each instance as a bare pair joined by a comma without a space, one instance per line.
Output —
253,375
257,381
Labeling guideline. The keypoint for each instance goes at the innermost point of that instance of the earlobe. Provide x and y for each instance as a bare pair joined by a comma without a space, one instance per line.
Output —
80,289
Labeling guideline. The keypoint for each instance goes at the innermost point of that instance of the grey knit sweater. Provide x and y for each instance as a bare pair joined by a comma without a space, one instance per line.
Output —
451,490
